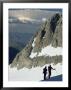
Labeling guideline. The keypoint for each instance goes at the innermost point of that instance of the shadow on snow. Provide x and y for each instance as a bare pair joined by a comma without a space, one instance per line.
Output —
55,78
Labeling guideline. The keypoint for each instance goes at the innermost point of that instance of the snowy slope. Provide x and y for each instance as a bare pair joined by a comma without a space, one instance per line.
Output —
47,51
33,74
54,78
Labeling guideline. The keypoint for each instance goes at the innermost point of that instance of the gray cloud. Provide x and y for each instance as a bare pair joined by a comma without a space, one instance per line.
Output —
32,13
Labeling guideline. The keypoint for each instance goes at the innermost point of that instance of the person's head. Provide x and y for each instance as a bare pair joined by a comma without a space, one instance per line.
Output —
49,65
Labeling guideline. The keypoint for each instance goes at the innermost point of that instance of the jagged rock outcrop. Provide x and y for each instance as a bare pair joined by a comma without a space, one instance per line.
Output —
49,33
40,61
53,33
57,38
22,59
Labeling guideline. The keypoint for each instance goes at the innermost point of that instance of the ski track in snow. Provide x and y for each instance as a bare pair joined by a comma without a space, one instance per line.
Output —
33,74
47,51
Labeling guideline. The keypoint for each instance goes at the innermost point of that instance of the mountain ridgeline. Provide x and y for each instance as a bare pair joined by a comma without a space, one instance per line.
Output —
50,33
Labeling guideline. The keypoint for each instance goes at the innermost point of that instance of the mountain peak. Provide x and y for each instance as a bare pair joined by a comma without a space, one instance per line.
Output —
50,33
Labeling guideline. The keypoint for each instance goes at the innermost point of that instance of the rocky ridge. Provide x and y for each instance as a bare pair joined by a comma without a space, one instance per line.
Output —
49,33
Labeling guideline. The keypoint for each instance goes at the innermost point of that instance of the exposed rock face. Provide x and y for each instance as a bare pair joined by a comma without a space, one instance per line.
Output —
57,38
53,33
49,33
40,61
22,59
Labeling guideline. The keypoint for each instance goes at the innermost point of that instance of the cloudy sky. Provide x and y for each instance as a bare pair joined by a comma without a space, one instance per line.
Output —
38,14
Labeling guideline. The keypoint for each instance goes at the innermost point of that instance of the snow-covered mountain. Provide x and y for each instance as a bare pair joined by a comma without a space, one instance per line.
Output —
45,47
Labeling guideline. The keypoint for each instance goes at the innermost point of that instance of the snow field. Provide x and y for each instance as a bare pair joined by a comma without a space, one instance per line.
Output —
33,74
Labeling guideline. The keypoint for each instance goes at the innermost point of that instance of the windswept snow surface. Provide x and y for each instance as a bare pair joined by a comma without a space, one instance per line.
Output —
33,55
50,51
33,74
47,51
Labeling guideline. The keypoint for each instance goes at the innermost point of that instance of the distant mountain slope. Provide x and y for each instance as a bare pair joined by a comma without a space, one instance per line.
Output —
19,40
12,54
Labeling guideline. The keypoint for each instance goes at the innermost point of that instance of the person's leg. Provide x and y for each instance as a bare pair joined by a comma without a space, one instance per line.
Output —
49,74
44,77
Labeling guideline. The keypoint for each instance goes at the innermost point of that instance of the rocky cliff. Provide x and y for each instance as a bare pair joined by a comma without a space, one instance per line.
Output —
50,33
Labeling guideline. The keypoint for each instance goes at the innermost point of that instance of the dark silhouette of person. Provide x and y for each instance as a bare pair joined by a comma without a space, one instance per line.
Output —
49,71
45,72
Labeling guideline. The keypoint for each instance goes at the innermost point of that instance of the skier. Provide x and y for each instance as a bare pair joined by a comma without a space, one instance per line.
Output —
45,72
49,71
